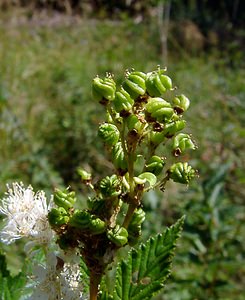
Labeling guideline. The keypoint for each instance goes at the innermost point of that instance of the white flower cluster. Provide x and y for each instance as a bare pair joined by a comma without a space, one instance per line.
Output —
27,215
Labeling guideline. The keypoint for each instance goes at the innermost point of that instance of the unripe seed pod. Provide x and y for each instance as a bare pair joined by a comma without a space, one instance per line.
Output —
118,157
137,218
159,109
103,88
80,219
96,225
181,103
182,142
135,84
157,83
64,199
123,101
173,127
118,235
181,172
109,134
58,216
110,186
155,165
157,138
96,205
85,176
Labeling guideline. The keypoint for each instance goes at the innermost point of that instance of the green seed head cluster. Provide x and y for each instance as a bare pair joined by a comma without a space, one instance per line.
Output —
142,134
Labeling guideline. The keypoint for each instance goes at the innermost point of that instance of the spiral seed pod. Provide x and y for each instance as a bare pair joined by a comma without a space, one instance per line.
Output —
155,165
157,83
181,172
57,217
109,134
181,103
133,123
159,109
173,127
64,199
103,89
110,186
137,219
118,157
96,225
118,235
85,176
182,142
123,101
80,219
135,84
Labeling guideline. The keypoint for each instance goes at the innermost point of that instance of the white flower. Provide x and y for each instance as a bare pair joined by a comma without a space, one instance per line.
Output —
58,280
26,214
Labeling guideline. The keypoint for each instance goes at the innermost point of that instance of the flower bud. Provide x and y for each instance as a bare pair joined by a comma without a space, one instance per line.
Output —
80,219
103,89
159,109
135,84
181,172
85,176
137,218
118,157
118,235
157,83
181,103
155,165
110,186
64,199
96,225
109,134
123,101
182,142
58,216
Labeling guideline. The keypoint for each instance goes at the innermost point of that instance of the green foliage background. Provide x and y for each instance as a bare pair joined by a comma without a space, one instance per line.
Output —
48,124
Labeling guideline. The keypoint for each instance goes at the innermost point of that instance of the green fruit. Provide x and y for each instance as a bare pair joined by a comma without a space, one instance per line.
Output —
159,109
58,217
133,123
155,165
64,199
181,103
135,84
96,225
157,83
118,157
103,88
173,127
123,101
80,219
118,235
109,134
181,172
182,142
110,186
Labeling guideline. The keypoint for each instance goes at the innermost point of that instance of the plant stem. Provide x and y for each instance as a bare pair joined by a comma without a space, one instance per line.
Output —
94,285
130,212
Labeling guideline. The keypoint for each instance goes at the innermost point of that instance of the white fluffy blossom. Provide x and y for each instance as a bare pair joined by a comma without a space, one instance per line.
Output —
57,280
26,214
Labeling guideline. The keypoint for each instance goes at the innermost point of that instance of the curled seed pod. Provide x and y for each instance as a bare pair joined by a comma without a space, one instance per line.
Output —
133,123
64,199
181,103
118,235
159,109
123,101
155,165
137,219
103,88
181,172
173,127
157,83
58,216
109,134
110,186
135,84
182,142
80,219
96,225
118,157
85,176
156,138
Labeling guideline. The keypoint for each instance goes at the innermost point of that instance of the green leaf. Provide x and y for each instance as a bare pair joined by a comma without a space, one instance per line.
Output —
146,269
84,276
149,177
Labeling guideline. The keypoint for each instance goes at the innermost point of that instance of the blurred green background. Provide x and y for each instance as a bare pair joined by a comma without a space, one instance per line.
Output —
49,53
